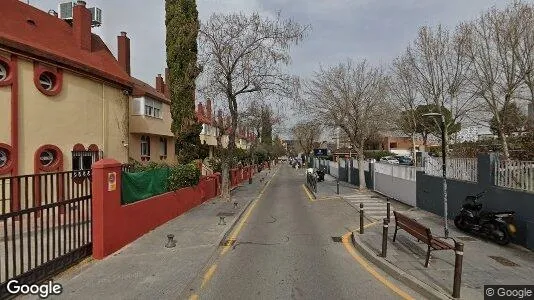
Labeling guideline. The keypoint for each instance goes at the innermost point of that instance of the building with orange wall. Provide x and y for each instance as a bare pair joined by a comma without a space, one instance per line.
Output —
61,93
66,101
210,129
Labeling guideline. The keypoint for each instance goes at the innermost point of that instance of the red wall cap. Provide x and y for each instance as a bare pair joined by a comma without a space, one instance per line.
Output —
106,163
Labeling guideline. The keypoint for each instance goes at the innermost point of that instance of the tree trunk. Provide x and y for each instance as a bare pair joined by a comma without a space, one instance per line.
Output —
446,134
504,143
361,172
225,184
413,149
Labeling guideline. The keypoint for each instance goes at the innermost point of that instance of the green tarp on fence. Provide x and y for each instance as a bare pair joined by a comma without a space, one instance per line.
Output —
143,185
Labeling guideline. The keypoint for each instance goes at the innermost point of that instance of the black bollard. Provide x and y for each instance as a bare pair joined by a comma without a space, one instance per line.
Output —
361,218
385,237
388,208
459,250
171,243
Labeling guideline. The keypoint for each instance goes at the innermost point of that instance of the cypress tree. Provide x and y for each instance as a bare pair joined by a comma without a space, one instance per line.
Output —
181,21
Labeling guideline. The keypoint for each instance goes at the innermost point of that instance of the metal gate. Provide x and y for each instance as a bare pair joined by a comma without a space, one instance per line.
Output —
45,225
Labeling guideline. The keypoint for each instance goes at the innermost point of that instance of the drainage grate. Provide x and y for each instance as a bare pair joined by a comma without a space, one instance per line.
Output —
337,239
227,243
466,238
505,262
375,196
225,214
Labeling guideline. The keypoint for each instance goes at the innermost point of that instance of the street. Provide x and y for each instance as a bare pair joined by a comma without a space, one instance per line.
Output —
286,250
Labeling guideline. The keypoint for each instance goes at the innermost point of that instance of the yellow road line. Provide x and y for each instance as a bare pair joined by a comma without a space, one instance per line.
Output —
371,270
236,231
310,197
208,274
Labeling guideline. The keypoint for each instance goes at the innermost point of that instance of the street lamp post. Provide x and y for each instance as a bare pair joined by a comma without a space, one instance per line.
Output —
443,167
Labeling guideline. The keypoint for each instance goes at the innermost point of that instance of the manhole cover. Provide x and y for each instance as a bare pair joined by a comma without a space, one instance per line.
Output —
225,214
228,243
505,262
337,239
466,238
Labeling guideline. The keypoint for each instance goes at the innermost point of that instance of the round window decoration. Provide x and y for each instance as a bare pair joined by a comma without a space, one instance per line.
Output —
47,157
3,71
47,80
3,158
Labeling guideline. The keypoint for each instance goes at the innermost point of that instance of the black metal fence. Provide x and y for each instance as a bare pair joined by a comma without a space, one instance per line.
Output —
127,167
45,225
311,181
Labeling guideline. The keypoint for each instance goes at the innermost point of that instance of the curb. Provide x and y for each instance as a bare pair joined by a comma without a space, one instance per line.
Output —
415,284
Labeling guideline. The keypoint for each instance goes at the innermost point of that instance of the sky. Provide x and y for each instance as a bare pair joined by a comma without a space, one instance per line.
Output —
376,30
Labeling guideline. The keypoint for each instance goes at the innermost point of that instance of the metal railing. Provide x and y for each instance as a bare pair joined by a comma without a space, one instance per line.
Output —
457,168
45,224
515,174
127,167
311,181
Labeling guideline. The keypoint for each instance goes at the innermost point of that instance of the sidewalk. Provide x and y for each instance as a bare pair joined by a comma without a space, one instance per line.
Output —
146,269
484,263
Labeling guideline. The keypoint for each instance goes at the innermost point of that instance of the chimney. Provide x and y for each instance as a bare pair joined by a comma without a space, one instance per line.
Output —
208,109
123,46
167,80
201,110
159,84
81,25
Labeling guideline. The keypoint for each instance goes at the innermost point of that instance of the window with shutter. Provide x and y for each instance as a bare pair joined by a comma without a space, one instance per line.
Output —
137,107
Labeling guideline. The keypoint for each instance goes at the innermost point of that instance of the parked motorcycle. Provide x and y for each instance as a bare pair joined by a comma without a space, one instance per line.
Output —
497,226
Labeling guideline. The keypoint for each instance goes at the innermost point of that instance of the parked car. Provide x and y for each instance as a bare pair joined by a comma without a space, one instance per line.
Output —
404,160
389,160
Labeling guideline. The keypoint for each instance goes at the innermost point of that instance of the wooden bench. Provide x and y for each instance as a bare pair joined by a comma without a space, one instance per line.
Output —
421,233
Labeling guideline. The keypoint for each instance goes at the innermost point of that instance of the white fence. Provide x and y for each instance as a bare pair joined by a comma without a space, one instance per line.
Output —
402,172
515,174
334,171
365,164
457,168
396,181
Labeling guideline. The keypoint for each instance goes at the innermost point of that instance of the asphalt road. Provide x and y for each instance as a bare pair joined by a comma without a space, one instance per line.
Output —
285,250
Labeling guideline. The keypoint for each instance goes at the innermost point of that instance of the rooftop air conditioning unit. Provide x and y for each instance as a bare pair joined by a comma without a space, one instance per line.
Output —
96,16
65,10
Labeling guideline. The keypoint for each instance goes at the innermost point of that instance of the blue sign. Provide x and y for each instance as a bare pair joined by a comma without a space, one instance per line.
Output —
320,152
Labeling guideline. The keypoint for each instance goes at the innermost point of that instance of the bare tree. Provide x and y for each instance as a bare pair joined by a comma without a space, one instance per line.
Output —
440,70
523,15
496,75
306,133
403,90
353,97
245,54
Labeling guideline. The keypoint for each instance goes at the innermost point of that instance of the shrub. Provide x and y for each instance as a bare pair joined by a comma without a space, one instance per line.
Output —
138,167
181,176
215,164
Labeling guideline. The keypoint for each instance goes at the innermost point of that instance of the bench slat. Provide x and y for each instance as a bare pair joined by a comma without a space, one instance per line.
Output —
440,245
